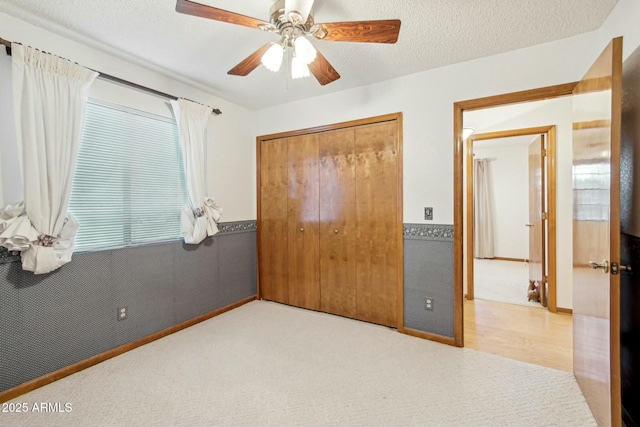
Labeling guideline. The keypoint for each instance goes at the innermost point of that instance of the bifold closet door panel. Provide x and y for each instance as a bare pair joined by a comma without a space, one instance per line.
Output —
273,230
376,210
337,222
303,215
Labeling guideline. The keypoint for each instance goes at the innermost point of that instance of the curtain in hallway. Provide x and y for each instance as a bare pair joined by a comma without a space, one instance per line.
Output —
482,210
50,95
201,215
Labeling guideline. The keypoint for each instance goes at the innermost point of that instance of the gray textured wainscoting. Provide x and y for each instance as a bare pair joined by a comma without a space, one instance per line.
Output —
51,321
428,272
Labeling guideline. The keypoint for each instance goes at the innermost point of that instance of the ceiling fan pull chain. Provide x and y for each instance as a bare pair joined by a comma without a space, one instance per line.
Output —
287,75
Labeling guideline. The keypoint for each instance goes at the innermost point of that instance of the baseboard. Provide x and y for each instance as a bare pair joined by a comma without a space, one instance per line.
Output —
429,336
499,258
35,383
564,310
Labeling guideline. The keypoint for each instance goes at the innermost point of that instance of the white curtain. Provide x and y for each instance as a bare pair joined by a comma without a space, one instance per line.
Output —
50,96
201,214
482,210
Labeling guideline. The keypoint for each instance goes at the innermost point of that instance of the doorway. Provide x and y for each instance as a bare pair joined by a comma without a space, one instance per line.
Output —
529,195
459,108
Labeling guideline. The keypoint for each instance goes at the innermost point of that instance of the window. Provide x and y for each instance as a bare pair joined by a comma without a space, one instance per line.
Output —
591,191
129,186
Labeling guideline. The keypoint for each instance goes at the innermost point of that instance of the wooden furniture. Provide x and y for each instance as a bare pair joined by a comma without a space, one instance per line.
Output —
330,219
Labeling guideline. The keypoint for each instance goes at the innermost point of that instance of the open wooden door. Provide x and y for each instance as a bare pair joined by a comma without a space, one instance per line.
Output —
536,222
596,234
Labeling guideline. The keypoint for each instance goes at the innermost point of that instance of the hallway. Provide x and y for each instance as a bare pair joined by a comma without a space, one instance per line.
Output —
518,332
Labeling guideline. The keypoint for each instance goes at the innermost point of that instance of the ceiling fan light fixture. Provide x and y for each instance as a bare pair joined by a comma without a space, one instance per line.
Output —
291,19
299,68
272,58
304,50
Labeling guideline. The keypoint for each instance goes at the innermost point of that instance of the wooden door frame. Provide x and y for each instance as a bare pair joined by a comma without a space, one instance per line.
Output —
397,117
550,161
459,108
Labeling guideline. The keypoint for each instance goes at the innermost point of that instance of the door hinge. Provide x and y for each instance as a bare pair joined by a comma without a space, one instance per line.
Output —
544,152
545,279
545,216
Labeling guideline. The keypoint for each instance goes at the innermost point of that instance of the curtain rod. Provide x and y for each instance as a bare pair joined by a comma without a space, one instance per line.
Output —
119,80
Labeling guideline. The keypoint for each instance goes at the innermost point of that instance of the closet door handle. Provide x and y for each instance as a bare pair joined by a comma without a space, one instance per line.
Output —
336,231
301,229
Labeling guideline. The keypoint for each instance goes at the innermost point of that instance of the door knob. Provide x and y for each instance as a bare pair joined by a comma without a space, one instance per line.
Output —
301,230
604,265
336,231
617,268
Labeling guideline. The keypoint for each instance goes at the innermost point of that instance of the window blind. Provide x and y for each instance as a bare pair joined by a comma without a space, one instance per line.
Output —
129,186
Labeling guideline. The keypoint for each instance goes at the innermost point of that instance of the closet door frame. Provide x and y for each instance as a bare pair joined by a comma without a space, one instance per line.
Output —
397,117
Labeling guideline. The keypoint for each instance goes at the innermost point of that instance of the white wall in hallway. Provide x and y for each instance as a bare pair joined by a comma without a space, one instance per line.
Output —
509,176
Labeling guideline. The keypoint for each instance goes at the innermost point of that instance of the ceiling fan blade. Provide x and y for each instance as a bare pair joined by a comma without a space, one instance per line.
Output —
196,9
322,70
303,7
250,63
385,31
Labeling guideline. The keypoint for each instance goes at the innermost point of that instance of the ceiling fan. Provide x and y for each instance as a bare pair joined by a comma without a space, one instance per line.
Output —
293,21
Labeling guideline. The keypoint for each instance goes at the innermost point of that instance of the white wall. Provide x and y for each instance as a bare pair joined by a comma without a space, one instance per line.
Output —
231,150
622,21
509,176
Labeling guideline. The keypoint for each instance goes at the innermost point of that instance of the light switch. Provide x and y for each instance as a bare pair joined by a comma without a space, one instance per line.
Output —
428,214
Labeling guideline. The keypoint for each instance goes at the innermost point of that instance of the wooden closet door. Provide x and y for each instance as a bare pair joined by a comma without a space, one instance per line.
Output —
337,222
304,273
273,230
376,210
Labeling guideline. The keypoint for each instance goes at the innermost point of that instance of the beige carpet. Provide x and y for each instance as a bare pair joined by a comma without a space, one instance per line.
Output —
502,281
269,364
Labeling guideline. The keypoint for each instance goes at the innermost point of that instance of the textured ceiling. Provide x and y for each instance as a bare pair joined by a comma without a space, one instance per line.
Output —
198,51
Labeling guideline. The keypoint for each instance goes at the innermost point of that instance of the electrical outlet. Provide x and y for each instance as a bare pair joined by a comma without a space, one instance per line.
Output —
428,214
122,313
428,303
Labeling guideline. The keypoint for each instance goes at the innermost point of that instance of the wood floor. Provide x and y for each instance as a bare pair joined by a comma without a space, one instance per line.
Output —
518,332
